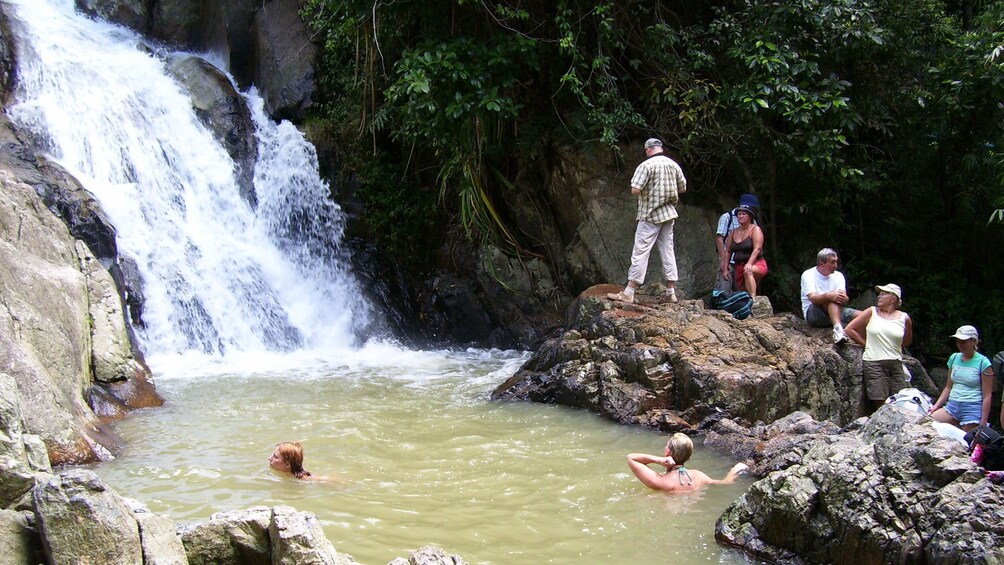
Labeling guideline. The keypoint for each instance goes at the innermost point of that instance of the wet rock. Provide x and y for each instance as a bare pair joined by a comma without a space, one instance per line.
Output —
236,537
160,540
890,491
429,555
7,57
79,517
285,60
635,363
224,111
19,539
134,14
297,538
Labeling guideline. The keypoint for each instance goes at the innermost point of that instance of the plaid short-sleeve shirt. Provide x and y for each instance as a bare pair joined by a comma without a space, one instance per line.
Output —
661,182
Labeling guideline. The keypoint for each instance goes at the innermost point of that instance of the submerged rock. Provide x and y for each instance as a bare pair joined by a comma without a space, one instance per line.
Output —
892,490
678,366
429,555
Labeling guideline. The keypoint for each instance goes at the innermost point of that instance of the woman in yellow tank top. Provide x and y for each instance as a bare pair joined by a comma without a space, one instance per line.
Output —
887,330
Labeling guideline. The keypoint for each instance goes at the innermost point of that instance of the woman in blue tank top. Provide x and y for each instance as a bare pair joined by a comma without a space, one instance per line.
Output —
965,402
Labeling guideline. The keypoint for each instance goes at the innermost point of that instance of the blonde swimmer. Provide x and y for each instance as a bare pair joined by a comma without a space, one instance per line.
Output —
677,478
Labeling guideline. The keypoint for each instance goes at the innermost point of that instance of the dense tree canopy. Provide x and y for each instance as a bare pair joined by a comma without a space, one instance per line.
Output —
872,126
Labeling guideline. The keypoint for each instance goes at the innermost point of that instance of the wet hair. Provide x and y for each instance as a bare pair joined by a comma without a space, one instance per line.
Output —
681,447
824,255
292,453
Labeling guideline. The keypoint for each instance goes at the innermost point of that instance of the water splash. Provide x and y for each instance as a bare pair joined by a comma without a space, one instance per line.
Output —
218,275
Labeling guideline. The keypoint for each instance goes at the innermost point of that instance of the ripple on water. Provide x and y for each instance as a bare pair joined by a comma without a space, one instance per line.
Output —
415,454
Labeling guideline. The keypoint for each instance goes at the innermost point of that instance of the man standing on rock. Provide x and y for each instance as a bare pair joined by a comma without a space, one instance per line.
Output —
824,295
657,182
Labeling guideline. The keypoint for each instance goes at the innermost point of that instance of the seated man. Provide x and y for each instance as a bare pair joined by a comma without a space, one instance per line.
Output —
676,478
824,295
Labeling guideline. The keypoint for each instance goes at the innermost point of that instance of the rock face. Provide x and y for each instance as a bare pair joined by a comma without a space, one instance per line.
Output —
62,330
674,366
429,555
223,110
261,43
598,211
20,456
286,58
79,516
583,216
891,490
260,535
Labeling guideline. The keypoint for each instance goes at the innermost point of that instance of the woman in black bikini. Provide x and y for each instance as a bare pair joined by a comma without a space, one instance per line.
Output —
745,245
677,478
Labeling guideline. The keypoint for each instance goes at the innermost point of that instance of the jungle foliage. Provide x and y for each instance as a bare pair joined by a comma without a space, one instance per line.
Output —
871,126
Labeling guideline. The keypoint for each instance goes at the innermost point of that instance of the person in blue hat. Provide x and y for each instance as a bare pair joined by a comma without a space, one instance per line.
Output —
729,221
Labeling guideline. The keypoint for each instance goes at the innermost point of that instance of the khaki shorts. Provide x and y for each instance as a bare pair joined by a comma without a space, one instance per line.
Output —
883,378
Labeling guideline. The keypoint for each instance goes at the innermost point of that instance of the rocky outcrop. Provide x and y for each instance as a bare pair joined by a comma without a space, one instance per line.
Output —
62,330
279,535
22,455
677,366
265,44
429,555
285,59
194,24
224,111
595,213
79,516
890,490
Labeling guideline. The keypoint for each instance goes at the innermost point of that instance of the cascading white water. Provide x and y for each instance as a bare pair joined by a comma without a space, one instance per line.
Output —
218,275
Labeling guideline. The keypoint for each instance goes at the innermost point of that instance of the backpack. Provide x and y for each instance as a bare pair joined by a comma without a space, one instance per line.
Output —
993,446
911,399
739,304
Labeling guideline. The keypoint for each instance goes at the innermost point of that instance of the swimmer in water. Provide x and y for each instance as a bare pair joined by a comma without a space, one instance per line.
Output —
677,478
288,458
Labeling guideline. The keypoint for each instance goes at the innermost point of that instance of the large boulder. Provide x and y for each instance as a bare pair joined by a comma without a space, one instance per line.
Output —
19,538
430,555
260,535
286,59
231,537
594,211
62,330
297,538
224,111
675,366
20,457
189,24
82,521
133,14
892,490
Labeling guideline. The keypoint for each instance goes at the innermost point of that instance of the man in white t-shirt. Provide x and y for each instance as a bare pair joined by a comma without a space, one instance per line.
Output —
824,295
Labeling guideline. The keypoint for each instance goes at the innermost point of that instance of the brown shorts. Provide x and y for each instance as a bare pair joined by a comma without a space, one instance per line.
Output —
883,378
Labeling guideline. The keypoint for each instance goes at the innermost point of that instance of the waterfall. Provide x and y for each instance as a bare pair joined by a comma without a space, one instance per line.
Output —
219,275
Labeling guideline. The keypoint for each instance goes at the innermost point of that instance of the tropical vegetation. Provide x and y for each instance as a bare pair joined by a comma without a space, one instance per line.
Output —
871,125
